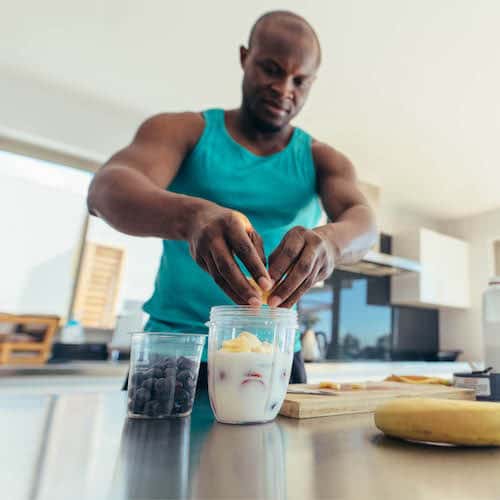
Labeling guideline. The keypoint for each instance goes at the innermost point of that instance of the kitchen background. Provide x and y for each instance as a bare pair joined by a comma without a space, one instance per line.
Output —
407,90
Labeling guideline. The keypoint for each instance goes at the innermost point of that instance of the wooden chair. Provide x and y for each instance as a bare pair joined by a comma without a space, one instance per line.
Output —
35,351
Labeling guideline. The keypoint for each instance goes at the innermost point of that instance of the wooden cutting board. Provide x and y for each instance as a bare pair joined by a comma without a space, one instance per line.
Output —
364,400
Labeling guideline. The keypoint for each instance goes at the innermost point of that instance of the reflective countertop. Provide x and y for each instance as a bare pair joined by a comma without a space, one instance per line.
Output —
82,446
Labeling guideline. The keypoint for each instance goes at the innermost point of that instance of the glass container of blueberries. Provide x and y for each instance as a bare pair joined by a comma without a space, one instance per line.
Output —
163,374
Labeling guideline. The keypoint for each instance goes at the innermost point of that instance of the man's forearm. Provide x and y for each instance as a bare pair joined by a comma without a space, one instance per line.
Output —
132,204
352,234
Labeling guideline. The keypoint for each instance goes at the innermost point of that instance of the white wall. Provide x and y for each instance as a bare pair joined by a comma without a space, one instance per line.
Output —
394,219
46,114
462,329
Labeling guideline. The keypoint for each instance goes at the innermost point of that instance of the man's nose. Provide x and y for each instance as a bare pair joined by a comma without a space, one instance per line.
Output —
283,87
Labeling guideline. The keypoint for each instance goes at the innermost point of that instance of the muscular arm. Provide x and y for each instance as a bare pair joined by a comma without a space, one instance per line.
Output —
129,192
353,230
306,256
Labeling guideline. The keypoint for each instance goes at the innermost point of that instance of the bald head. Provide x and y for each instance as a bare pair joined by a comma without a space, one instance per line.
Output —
275,21
279,67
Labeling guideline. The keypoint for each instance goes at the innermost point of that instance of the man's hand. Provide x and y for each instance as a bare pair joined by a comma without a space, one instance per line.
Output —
305,256
217,236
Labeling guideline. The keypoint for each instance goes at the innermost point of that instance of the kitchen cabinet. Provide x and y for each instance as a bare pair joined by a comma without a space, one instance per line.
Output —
444,277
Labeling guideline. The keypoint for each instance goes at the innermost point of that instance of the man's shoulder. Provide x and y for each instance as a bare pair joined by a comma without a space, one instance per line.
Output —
162,122
184,126
329,159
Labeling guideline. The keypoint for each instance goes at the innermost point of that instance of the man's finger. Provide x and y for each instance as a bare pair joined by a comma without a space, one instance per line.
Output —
301,270
221,282
285,255
303,288
231,273
243,247
259,246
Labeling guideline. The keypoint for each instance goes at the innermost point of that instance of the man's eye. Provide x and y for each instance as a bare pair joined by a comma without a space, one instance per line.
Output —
270,70
299,82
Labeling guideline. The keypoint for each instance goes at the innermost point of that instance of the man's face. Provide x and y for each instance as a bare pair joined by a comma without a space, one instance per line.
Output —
279,70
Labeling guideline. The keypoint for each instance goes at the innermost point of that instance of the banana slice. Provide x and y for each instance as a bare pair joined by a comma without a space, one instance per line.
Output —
263,295
244,220
246,342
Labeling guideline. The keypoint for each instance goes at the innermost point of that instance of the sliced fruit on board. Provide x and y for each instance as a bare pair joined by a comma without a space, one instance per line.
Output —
417,379
345,386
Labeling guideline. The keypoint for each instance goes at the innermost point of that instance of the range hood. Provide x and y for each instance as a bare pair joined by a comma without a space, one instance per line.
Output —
382,264
379,261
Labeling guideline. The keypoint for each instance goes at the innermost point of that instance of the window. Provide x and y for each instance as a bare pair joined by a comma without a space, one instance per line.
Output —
42,213
354,313
364,330
43,216
315,311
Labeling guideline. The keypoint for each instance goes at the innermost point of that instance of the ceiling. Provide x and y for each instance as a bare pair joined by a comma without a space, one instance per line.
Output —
408,90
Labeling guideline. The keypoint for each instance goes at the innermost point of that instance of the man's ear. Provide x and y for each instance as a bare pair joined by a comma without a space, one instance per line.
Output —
243,55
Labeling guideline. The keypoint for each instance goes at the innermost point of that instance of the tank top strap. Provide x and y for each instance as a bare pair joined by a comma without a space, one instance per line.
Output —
214,119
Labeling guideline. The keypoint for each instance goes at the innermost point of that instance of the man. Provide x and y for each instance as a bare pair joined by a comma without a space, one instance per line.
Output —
188,177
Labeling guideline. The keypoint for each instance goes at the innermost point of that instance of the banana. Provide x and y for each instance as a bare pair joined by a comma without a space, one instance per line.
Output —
470,423
246,342
243,220
263,295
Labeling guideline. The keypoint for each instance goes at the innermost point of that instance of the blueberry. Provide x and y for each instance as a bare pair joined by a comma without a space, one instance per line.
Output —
163,389
182,407
167,406
157,372
136,405
148,384
151,408
142,395
131,394
169,372
178,388
137,379
185,377
184,363
168,363
181,396
190,386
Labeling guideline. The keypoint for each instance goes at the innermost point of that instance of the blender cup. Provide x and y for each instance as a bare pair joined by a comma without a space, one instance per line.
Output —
250,353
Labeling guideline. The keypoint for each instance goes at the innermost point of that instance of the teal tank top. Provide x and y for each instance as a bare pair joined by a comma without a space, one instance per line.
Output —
276,192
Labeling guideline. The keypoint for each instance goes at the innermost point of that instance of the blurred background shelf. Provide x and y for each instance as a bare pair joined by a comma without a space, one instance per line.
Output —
26,339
